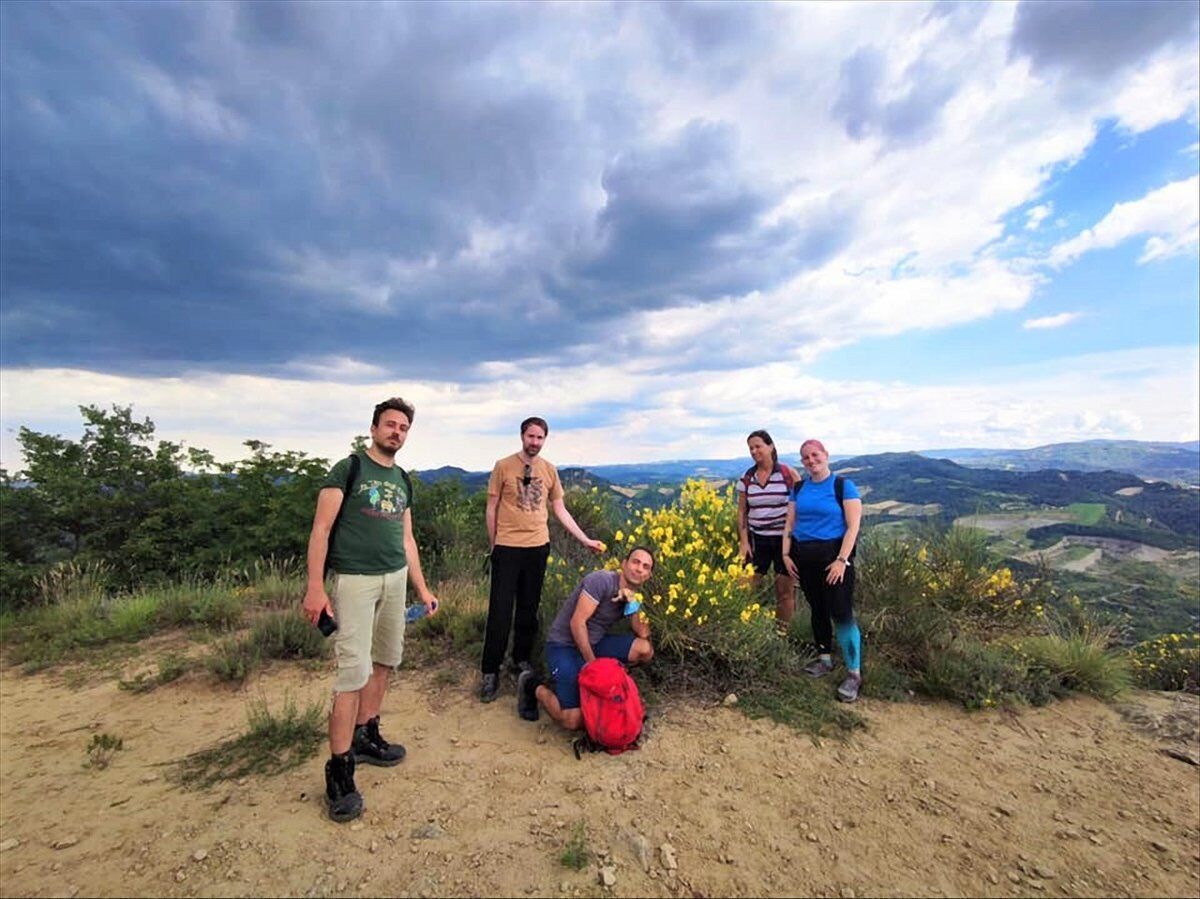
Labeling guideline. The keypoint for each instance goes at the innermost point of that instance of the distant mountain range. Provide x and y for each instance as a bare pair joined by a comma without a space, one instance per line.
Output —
1120,504
1175,462
1178,462
911,479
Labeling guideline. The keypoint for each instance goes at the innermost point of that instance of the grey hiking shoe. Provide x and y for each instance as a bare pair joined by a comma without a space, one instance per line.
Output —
489,688
819,668
848,691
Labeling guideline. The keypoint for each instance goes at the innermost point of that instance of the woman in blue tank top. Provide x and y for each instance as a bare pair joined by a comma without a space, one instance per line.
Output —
823,519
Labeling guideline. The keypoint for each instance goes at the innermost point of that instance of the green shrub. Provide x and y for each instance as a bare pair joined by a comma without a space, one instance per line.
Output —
102,749
460,620
1081,660
277,635
287,635
232,659
276,583
133,617
982,676
192,603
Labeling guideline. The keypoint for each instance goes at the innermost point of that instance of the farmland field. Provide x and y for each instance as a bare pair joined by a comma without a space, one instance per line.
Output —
1087,513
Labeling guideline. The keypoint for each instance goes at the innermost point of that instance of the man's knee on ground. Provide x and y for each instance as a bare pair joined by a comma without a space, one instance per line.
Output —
572,719
641,651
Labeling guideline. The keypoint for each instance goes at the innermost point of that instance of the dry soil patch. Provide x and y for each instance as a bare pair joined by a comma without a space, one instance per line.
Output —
1068,800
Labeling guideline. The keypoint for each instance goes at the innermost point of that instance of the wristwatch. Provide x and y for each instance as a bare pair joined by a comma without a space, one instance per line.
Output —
844,561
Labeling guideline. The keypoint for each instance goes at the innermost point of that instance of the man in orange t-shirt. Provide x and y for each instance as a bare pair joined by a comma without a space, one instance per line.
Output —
520,489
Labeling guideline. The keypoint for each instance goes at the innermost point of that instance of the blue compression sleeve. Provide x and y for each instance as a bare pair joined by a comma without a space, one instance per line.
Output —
850,641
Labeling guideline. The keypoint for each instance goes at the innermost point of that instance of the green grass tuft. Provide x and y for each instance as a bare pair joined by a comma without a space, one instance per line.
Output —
803,703
575,854
214,606
1081,662
171,667
102,749
272,743
278,635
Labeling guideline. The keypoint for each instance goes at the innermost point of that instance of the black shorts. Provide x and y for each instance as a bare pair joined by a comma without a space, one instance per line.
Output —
767,550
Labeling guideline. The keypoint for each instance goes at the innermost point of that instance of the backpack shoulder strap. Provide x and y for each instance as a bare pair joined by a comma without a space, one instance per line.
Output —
585,744
839,490
747,476
352,473
789,476
407,486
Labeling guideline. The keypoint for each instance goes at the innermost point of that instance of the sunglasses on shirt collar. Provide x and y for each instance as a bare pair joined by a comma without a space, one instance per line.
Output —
528,476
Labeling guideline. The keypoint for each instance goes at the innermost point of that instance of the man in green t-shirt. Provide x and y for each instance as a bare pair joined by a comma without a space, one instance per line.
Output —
373,554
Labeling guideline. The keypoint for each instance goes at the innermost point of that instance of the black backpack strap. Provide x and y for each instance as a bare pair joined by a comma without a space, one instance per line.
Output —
355,467
839,489
584,744
407,486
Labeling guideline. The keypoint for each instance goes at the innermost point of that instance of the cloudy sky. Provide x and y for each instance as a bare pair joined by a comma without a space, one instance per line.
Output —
660,226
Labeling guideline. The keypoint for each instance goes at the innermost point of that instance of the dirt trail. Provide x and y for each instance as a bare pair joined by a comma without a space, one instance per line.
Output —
931,800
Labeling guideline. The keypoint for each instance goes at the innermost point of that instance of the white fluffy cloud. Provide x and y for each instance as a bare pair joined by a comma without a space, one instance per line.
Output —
1170,215
1149,394
1050,321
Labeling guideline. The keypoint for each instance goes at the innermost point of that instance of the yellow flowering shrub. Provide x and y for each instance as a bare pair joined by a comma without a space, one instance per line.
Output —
700,589
702,601
1168,662
950,574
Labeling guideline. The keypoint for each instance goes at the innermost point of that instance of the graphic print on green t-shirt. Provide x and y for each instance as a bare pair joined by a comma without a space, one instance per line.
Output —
370,537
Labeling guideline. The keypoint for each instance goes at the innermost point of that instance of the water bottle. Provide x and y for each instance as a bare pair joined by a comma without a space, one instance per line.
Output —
415,612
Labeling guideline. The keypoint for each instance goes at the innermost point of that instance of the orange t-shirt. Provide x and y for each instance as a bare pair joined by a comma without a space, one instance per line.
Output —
521,516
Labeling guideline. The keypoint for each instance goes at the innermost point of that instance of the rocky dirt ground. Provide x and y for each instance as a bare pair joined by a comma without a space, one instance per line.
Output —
1077,799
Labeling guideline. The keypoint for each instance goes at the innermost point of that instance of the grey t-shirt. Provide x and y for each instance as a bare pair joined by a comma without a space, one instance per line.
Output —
603,587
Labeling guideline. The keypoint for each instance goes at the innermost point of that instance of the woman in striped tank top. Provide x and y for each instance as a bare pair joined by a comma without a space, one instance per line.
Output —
763,493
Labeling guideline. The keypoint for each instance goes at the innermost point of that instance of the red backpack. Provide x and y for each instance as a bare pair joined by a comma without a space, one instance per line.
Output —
612,709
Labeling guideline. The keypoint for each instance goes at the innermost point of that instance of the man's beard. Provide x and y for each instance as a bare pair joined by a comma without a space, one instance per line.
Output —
384,449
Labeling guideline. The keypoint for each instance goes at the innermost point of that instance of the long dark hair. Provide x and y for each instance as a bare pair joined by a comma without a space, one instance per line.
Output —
765,438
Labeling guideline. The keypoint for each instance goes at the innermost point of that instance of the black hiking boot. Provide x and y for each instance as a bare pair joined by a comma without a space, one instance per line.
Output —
344,801
527,704
371,748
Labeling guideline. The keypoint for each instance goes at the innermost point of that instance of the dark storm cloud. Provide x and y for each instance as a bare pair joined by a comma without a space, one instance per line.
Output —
710,40
1095,39
238,186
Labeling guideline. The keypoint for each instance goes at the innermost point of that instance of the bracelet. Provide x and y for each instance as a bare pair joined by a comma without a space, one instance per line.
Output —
843,560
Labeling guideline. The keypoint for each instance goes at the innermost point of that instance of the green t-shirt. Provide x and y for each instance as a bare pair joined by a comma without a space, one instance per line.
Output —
370,537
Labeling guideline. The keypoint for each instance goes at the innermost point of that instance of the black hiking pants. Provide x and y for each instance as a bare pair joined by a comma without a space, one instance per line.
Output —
829,602
517,575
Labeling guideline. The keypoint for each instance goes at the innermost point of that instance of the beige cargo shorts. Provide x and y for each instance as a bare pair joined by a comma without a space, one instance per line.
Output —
369,609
